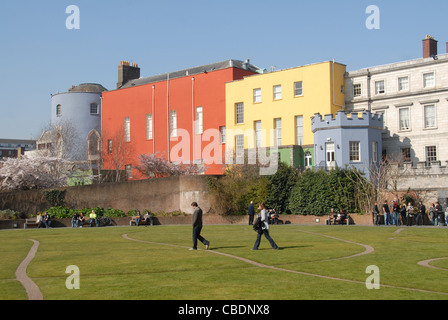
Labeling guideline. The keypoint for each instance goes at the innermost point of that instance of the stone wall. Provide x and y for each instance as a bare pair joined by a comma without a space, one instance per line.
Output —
159,195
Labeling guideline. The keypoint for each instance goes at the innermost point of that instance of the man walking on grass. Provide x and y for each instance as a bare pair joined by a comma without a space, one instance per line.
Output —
197,227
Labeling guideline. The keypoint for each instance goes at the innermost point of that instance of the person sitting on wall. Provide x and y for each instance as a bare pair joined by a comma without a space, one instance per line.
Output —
274,216
75,220
147,217
93,217
138,217
331,217
46,220
341,216
39,221
81,220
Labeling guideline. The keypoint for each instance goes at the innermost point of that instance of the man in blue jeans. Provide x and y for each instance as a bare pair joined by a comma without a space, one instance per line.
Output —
197,227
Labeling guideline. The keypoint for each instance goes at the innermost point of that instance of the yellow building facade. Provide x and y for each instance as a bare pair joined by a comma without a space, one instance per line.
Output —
275,109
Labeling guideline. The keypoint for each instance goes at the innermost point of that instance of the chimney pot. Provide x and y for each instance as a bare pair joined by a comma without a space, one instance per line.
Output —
429,47
127,71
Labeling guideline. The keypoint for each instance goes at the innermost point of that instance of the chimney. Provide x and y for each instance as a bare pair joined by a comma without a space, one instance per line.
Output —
127,71
429,47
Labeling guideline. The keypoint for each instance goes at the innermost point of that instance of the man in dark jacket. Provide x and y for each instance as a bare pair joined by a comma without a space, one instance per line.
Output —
421,213
439,213
251,213
197,227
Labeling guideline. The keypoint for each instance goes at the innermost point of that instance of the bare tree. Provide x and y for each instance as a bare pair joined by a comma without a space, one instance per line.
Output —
61,140
116,153
155,166
379,180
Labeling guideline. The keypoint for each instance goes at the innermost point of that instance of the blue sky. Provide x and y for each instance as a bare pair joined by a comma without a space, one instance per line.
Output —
40,56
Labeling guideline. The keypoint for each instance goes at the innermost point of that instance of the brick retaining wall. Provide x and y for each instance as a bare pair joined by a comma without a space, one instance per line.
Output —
208,219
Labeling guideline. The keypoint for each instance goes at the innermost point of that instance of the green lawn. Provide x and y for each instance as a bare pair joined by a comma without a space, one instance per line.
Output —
112,267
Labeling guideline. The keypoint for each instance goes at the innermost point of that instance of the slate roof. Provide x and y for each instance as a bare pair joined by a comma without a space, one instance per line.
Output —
192,71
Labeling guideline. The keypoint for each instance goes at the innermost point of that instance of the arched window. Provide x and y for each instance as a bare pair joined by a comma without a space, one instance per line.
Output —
58,110
93,145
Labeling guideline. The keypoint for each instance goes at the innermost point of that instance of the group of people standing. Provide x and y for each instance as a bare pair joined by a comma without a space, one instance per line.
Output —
396,214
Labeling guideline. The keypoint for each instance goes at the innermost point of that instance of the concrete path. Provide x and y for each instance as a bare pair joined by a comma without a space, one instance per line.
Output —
426,263
32,290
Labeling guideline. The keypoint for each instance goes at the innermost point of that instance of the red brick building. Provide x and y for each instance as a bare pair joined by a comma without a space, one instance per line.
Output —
169,114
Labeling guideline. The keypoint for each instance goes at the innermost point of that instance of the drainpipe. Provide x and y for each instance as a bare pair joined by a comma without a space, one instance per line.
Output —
192,117
369,94
153,121
168,116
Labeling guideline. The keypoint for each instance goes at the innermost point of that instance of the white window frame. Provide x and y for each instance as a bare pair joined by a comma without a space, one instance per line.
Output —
95,107
199,123
298,90
257,135
173,123
239,113
378,89
239,144
425,116
433,157
355,151
257,95
401,123
278,132
357,90
432,82
149,126
299,130
374,151
277,91
403,86
127,129
222,131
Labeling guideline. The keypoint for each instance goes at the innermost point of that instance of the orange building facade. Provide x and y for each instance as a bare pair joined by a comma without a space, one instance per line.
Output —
180,115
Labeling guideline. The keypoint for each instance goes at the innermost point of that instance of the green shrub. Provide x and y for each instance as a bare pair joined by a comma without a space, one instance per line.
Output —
315,193
8,214
232,193
280,186
55,197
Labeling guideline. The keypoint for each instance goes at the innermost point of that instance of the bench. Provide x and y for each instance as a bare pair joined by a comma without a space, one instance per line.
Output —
133,221
346,221
30,223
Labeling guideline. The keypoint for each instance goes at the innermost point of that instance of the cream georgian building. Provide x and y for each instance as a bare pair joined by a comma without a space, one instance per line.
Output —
412,96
